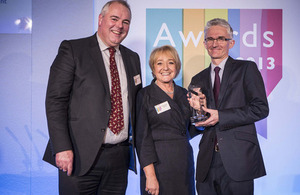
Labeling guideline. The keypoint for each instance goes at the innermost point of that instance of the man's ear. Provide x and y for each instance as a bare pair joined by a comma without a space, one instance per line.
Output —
100,19
231,43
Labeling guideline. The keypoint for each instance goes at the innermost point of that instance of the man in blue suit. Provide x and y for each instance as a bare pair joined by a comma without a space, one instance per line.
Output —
229,156
92,80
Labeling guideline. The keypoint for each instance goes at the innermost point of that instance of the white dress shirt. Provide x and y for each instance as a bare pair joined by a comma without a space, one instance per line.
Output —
212,71
110,137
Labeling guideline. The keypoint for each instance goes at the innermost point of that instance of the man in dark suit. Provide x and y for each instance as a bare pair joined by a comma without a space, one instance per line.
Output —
90,106
229,156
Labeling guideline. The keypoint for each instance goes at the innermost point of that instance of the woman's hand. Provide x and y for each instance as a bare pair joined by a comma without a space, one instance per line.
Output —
152,185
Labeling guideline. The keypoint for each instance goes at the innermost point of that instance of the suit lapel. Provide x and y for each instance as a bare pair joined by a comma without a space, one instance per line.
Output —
225,79
177,97
96,56
207,87
126,60
158,94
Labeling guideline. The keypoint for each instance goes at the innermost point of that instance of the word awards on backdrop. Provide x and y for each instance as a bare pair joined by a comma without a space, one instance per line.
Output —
257,35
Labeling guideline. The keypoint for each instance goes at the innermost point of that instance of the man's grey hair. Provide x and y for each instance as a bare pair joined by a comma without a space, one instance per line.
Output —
219,22
122,2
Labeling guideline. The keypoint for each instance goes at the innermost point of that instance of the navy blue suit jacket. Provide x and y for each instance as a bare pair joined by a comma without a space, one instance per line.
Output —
242,101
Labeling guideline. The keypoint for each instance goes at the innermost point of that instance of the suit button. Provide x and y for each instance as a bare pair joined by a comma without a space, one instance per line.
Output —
102,130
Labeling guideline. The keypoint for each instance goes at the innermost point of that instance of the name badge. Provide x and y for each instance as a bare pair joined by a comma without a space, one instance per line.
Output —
160,108
137,80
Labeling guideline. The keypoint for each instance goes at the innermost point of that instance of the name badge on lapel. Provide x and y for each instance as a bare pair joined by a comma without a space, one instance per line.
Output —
160,108
137,80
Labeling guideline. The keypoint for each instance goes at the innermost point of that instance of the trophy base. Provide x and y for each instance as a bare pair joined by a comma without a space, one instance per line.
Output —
196,119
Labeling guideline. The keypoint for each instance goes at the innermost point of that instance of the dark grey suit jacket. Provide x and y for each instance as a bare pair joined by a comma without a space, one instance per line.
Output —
167,126
78,100
162,138
242,101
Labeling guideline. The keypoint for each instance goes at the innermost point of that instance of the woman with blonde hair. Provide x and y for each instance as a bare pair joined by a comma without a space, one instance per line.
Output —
162,136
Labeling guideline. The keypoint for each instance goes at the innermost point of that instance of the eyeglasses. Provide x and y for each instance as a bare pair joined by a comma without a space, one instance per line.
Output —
220,40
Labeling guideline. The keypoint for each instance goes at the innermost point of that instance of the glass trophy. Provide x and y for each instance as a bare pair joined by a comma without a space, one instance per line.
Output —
197,115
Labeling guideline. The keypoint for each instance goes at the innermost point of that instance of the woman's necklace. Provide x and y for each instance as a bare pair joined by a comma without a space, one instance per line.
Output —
167,92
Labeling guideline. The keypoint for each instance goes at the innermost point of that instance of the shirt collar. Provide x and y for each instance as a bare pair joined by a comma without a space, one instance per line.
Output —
102,45
221,65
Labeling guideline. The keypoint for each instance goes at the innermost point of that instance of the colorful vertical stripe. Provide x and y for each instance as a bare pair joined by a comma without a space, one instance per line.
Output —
234,21
193,52
160,30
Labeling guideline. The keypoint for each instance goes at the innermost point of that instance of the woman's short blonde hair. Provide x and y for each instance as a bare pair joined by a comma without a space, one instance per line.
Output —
166,49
